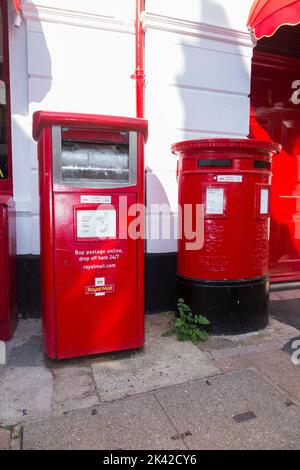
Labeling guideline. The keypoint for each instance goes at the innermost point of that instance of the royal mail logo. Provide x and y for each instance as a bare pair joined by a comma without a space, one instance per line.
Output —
96,290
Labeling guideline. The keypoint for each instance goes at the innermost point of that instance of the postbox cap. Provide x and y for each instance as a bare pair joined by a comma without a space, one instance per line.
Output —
225,144
87,121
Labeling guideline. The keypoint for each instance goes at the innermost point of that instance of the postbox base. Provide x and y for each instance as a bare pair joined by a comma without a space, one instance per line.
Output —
232,307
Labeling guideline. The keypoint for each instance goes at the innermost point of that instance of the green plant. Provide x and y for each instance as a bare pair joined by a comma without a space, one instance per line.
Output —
188,326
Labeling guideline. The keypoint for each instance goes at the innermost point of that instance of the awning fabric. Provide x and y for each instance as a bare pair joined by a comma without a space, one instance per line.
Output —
266,16
17,5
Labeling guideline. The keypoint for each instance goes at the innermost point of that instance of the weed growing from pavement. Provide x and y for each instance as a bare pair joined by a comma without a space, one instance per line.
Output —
187,326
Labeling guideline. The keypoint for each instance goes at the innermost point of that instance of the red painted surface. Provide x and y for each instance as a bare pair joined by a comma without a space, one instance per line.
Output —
274,116
6,185
236,236
8,311
17,5
139,73
266,16
75,321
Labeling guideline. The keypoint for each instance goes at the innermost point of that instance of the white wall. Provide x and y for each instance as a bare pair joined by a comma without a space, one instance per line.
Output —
66,56
70,55
198,59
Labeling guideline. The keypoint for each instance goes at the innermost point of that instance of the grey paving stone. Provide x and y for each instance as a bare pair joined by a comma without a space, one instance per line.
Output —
276,365
133,423
26,393
26,329
275,331
73,388
206,409
4,439
287,311
250,349
29,353
163,362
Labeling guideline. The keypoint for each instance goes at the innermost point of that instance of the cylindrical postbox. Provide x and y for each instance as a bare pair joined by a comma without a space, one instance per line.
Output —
224,275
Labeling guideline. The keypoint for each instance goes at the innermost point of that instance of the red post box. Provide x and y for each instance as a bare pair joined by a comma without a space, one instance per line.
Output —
8,310
226,278
91,172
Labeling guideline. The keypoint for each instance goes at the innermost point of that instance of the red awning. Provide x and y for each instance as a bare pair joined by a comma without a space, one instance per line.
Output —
17,5
266,16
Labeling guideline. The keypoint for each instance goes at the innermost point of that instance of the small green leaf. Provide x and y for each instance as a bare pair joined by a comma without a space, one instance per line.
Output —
203,320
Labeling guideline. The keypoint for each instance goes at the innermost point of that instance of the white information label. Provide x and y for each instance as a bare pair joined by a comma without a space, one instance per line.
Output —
230,178
95,199
264,201
96,224
215,201
100,281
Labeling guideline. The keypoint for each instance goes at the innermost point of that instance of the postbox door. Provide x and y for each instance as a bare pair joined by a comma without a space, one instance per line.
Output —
96,279
3,264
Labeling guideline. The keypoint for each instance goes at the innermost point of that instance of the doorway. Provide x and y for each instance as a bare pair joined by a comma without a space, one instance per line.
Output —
275,115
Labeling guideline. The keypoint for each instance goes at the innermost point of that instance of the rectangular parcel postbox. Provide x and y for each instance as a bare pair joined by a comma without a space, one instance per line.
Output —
91,172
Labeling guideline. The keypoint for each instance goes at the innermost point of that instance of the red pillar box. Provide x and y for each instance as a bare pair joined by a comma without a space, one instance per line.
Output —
91,172
8,310
226,278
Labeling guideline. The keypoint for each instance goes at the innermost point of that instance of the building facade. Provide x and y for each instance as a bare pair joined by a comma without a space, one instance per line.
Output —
76,56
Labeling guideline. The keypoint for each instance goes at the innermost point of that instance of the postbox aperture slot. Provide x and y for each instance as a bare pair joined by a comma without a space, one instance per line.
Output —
212,162
95,160
261,164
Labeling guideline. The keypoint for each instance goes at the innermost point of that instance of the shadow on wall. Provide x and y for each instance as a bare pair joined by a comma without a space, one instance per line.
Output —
160,266
213,87
214,93
28,51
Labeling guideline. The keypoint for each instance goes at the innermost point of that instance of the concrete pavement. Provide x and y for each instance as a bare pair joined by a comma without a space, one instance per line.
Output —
229,392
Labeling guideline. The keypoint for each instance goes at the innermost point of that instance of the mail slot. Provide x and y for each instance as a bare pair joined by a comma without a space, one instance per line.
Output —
226,279
91,171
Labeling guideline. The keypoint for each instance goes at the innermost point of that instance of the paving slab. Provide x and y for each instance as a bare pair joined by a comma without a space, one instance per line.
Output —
133,423
240,410
164,361
4,439
273,336
276,365
287,311
73,388
241,350
25,329
25,392
29,353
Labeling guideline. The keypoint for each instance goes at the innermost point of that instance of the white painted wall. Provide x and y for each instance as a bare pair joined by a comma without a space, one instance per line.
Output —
198,58
70,55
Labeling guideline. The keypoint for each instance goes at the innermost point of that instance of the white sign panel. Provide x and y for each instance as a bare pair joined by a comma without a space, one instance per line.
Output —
264,201
230,178
215,201
96,224
95,199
